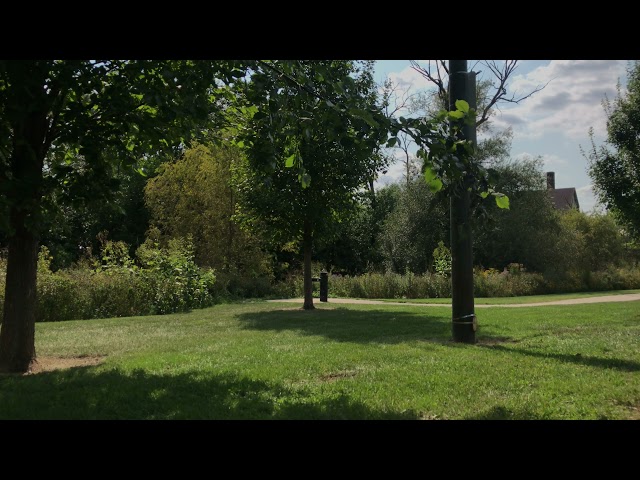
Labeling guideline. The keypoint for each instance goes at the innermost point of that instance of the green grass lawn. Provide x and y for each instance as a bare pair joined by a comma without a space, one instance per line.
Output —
274,361
508,300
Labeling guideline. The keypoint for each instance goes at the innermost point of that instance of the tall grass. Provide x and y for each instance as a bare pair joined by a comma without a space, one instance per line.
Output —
487,283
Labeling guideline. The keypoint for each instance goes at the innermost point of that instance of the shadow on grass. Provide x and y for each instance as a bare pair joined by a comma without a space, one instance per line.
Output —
612,363
92,393
500,412
361,326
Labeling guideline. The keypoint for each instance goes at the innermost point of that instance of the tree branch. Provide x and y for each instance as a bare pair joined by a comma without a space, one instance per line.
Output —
435,72
399,97
435,78
502,74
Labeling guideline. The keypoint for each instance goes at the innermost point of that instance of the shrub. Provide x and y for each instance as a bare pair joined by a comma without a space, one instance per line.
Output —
442,260
509,283
176,283
164,281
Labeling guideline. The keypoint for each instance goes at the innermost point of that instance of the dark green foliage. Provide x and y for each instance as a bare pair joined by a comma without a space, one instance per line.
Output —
356,248
305,159
171,274
529,231
413,229
72,230
100,113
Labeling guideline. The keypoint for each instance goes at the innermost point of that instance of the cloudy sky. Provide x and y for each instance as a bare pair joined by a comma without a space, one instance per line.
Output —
554,122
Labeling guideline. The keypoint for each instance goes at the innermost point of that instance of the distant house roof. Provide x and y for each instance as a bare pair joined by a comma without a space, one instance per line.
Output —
564,198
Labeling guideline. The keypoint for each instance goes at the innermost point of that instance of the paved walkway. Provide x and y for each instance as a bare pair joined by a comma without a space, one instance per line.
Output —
629,297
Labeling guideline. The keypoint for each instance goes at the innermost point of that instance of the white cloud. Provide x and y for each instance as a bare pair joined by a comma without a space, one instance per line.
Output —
553,161
395,174
550,161
587,198
410,78
396,171
570,103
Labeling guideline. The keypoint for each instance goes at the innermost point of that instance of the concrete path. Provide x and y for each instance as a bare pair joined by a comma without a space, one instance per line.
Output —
630,297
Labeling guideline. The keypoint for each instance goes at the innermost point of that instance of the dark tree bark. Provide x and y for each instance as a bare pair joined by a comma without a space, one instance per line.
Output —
17,333
307,241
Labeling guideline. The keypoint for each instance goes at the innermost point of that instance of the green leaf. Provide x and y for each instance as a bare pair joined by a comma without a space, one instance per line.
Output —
289,161
392,141
305,180
502,201
435,185
364,115
429,174
462,105
456,114
484,194
240,144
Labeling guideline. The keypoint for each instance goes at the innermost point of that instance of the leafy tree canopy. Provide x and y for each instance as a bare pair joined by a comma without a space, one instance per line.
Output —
615,166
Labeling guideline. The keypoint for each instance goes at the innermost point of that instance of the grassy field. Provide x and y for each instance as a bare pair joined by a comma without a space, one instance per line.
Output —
510,300
274,361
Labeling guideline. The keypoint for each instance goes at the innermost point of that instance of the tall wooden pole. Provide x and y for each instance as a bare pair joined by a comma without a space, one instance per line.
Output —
462,86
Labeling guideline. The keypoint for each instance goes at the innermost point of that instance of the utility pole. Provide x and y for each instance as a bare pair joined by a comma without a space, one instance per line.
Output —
462,86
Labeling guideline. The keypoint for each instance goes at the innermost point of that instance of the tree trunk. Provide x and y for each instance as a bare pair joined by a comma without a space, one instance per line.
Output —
17,332
307,241
373,192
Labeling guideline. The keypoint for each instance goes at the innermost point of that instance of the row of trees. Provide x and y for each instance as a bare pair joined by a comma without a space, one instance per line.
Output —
396,228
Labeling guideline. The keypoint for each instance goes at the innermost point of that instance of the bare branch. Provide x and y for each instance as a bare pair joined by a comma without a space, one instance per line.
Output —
396,98
436,70
434,77
502,74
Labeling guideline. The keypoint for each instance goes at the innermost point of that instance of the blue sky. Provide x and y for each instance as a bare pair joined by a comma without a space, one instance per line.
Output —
553,123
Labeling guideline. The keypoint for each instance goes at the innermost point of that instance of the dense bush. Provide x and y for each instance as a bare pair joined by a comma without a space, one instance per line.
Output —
162,281
173,280
491,283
